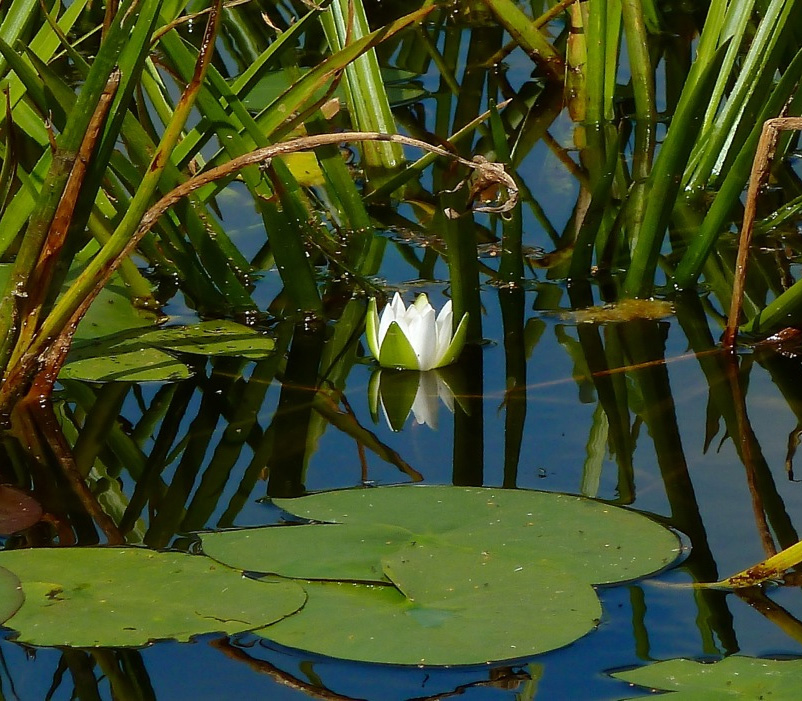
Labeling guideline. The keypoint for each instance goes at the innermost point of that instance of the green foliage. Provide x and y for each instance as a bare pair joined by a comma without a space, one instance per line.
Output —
11,594
140,356
645,197
735,677
95,597
459,561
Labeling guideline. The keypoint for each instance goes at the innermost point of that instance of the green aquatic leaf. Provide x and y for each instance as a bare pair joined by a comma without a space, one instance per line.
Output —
463,612
309,551
112,312
402,88
11,596
596,541
735,677
212,338
142,365
134,355
460,561
112,597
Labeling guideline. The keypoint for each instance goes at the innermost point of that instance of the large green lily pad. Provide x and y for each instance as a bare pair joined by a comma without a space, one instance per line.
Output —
137,355
11,596
112,597
598,543
477,575
451,615
143,365
735,677
309,551
220,337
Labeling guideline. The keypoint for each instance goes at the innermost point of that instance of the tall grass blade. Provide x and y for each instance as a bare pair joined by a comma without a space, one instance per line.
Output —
663,184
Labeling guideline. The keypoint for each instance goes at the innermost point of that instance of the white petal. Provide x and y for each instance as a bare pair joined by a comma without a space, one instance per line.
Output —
423,338
398,306
444,330
390,313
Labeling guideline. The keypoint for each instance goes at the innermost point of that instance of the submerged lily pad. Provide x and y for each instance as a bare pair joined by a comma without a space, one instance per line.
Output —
625,310
478,575
112,597
735,677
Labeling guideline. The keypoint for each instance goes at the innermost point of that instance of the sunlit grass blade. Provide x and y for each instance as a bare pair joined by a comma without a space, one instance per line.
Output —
728,195
596,28
17,18
512,18
770,569
640,63
68,143
747,96
305,89
344,21
663,184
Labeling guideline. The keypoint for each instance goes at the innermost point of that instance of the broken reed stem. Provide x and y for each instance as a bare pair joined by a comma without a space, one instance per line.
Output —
758,176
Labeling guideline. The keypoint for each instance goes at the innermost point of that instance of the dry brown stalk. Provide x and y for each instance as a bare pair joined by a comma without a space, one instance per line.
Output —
761,167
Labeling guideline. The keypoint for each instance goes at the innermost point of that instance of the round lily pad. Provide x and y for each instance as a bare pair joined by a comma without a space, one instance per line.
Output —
596,542
462,612
113,597
478,575
330,551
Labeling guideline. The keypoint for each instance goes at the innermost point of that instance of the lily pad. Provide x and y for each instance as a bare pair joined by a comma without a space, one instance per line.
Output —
11,596
735,677
212,338
111,313
457,616
136,355
309,551
18,510
597,542
112,597
142,365
460,561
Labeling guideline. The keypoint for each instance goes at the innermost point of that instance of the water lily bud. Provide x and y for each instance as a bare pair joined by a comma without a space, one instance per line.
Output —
412,338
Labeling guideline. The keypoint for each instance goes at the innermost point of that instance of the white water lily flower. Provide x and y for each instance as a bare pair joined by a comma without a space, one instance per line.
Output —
411,338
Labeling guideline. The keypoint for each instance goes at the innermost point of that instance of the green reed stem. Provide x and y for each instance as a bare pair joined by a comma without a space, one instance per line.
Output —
640,64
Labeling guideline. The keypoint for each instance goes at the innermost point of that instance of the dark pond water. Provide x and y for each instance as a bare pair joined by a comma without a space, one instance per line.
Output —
645,413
